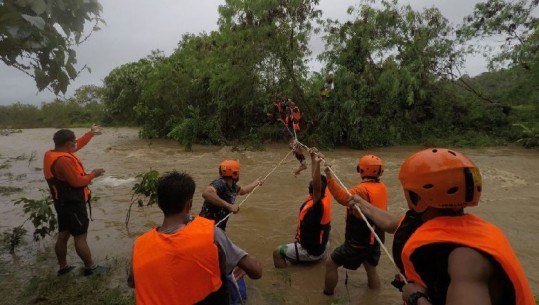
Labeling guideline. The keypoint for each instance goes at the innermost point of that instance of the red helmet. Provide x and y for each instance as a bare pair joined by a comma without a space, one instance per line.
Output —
370,166
440,178
229,168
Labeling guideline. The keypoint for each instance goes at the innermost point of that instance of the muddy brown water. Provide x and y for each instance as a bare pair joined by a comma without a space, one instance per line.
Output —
268,217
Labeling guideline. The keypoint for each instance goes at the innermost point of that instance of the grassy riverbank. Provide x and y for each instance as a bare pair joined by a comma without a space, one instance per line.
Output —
34,281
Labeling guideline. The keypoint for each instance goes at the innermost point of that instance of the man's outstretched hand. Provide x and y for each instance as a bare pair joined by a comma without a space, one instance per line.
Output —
96,129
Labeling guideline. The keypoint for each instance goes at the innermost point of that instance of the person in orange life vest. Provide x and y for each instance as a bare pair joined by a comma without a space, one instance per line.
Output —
277,113
402,228
68,183
360,246
314,222
293,116
455,257
185,261
220,195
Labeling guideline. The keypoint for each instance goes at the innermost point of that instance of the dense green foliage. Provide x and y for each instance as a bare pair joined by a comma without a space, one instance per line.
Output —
396,73
388,63
38,37
83,109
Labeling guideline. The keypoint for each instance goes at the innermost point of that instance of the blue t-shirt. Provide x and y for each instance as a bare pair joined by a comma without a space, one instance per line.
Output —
225,192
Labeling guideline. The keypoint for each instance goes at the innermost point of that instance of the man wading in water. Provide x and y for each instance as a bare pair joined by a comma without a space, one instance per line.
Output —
68,183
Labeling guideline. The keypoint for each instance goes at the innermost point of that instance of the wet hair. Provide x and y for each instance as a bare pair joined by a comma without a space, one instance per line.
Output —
174,190
323,186
63,136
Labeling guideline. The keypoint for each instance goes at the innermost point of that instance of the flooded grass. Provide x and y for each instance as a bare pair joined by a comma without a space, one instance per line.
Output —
8,190
5,165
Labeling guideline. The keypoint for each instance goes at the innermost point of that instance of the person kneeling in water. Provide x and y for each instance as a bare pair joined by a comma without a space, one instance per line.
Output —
314,223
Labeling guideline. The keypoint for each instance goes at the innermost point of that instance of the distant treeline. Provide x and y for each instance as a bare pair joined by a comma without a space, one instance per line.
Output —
506,112
395,73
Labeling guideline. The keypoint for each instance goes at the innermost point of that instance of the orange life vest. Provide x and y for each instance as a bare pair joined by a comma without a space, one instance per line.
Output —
61,189
277,113
377,193
292,117
296,116
357,231
277,105
473,232
315,231
181,268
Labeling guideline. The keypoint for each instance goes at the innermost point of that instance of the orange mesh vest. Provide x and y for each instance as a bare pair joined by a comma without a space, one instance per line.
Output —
357,232
293,118
473,232
377,194
176,269
60,189
296,115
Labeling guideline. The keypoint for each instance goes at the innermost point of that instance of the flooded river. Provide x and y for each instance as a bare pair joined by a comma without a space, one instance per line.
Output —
268,217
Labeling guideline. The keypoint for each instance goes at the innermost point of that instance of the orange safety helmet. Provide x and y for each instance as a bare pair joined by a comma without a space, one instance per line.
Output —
229,168
440,178
370,166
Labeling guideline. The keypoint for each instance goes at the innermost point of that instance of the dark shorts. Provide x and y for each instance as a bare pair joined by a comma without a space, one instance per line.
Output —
299,156
351,258
72,217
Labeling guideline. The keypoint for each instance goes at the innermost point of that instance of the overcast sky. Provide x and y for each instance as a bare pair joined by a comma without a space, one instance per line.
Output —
135,27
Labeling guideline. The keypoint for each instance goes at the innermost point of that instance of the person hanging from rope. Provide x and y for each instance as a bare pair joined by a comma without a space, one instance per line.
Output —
292,120
360,246
298,153
277,113
455,257
314,222
219,201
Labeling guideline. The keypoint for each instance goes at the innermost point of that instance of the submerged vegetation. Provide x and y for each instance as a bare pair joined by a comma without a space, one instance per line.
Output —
146,189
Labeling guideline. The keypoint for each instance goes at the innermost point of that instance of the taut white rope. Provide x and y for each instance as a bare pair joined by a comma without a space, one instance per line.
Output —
274,168
364,219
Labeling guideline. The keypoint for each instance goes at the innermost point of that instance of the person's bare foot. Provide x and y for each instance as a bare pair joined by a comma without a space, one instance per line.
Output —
301,168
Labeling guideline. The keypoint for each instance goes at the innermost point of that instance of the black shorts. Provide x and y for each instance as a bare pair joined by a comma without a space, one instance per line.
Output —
299,156
351,257
72,217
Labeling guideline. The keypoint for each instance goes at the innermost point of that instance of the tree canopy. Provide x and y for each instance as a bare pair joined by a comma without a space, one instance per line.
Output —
395,75
38,37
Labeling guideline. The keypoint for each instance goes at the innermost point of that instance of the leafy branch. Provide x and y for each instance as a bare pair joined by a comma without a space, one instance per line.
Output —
14,238
41,215
147,188
529,137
